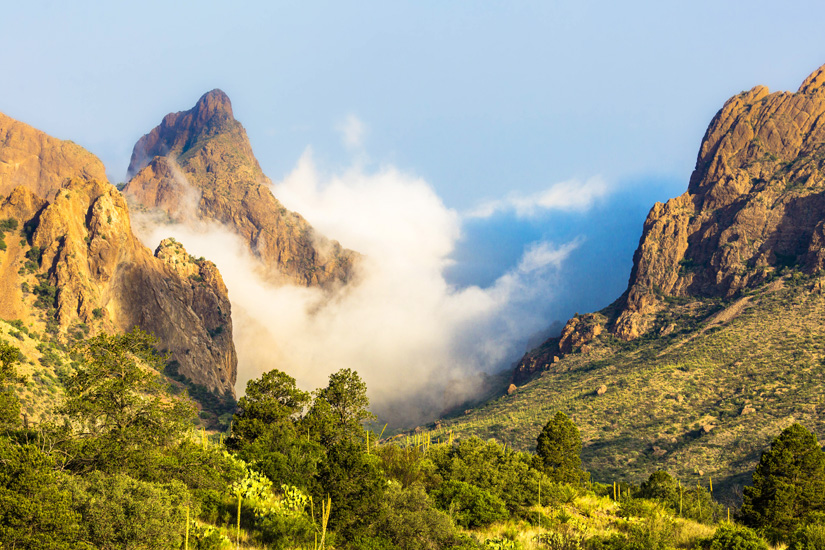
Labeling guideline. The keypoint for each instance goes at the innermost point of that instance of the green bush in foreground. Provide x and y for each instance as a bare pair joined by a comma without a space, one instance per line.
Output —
470,506
730,536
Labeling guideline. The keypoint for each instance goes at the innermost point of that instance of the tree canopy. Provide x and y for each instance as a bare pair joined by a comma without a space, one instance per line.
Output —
9,404
559,447
119,403
788,484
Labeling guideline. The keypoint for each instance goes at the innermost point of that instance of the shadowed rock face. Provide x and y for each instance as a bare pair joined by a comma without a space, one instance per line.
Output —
198,164
103,277
755,204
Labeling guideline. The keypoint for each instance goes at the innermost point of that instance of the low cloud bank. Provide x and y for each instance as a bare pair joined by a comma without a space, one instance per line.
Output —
418,342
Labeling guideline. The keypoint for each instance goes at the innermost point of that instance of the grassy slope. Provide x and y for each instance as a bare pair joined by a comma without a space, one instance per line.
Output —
676,401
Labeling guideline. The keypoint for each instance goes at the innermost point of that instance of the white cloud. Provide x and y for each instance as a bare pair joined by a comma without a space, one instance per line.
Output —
571,195
352,131
402,327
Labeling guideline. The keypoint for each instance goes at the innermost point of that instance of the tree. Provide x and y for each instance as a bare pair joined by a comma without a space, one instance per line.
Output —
339,409
272,403
559,447
788,484
119,404
35,509
266,430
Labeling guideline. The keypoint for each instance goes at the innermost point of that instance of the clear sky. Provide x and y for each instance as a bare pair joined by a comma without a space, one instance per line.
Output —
533,121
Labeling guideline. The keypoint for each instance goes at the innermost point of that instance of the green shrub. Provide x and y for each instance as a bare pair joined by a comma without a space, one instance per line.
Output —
409,520
121,512
470,506
641,508
809,537
729,536
35,509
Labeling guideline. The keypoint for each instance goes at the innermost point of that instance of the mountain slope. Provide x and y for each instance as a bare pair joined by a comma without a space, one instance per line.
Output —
704,400
72,262
755,204
199,165
717,344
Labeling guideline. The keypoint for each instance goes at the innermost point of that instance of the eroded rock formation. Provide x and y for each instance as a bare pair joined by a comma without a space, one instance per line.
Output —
198,164
77,262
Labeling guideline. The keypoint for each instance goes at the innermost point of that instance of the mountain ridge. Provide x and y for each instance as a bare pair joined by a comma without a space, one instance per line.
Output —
753,207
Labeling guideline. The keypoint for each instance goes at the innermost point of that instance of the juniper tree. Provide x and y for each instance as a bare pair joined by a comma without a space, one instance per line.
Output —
788,484
559,448
9,404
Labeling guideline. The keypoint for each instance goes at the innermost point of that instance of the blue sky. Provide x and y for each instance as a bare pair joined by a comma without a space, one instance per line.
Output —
488,102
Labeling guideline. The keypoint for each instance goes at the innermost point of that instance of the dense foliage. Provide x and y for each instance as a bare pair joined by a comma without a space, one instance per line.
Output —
123,467
559,447
788,488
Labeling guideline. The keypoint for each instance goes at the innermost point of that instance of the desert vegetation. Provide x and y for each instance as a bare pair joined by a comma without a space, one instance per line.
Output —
120,464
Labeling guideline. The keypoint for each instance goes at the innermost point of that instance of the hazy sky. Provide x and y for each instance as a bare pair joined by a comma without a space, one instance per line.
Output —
532,121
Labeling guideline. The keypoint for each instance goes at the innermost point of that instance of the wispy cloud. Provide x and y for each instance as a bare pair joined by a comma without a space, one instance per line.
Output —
544,255
352,131
570,195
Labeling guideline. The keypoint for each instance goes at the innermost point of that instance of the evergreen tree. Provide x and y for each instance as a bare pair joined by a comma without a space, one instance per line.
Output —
340,409
266,430
788,484
120,406
272,404
559,448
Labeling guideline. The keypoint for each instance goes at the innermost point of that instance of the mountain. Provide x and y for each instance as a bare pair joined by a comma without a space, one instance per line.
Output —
199,165
755,205
73,266
717,344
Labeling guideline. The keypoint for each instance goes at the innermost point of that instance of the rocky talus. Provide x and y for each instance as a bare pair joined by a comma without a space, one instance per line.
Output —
755,205
199,165
72,262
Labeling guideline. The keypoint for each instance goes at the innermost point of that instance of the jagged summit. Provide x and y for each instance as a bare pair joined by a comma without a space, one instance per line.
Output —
199,164
755,205
814,82
41,162
179,132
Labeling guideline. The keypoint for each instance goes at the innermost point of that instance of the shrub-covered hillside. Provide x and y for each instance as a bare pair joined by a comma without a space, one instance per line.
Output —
119,465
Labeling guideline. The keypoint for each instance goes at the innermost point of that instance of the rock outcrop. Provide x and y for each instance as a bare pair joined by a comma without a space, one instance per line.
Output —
78,264
755,205
199,165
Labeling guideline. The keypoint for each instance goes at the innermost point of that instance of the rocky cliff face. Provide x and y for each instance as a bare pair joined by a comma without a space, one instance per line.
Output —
755,205
77,264
198,164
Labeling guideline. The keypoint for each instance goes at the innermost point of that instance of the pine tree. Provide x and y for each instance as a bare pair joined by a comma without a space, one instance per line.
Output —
559,446
788,484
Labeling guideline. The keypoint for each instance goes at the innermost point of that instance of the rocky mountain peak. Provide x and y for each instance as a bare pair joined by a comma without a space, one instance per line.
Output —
179,132
76,262
199,165
814,83
755,206
213,103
